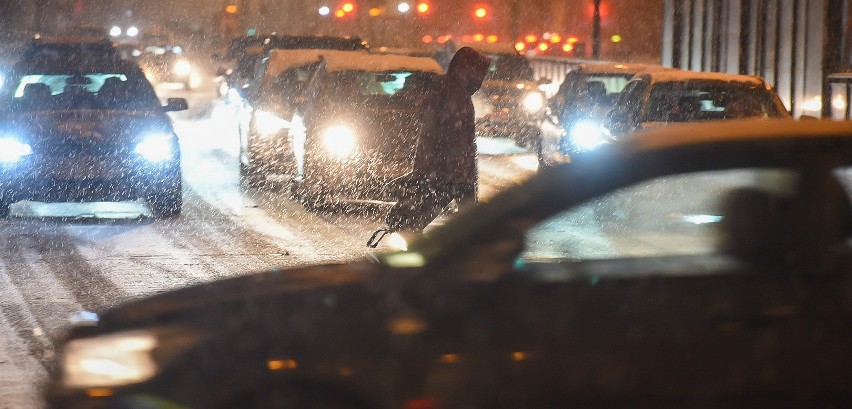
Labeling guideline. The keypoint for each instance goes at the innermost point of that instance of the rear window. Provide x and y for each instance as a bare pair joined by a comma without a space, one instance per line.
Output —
690,101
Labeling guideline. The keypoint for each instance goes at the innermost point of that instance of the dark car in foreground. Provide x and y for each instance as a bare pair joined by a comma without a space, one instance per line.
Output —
89,129
709,267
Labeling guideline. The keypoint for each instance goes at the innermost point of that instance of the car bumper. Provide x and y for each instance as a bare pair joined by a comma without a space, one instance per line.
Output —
350,181
84,178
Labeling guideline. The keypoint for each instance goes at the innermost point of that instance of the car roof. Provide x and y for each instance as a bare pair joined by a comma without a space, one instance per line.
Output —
620,68
282,60
681,75
315,42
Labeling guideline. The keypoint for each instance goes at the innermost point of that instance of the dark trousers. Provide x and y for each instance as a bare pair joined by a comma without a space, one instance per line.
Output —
421,202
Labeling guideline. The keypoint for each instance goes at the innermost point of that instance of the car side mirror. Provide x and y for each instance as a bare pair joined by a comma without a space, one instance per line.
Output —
176,104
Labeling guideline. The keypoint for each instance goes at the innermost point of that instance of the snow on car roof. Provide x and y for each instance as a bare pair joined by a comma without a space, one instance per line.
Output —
680,75
282,60
675,135
620,68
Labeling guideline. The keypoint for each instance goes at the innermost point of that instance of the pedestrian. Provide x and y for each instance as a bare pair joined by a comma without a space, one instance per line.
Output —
444,167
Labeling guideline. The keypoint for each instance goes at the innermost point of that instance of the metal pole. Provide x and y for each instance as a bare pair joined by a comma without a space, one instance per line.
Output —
596,31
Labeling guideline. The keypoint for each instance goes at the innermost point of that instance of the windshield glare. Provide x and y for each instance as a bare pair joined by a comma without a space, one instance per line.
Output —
66,91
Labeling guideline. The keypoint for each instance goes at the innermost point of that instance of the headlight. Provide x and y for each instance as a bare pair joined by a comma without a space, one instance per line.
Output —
268,123
339,141
534,102
12,150
110,360
156,147
586,135
182,67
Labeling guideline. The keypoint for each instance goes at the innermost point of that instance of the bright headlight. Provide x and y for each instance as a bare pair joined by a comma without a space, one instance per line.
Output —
268,123
339,141
182,67
12,150
534,102
586,135
111,360
156,147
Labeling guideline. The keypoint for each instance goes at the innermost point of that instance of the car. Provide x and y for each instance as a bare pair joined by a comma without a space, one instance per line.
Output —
510,103
658,98
165,64
730,289
587,93
69,46
355,133
84,129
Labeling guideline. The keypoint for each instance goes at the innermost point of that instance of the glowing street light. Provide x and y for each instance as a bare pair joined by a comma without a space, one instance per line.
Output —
348,7
480,12
423,8
132,31
115,31
324,10
403,7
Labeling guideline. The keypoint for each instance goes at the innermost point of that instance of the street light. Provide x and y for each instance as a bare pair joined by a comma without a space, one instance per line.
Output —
324,10
423,8
132,31
403,7
480,12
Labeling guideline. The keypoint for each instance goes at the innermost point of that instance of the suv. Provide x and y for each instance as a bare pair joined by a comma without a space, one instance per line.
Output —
79,129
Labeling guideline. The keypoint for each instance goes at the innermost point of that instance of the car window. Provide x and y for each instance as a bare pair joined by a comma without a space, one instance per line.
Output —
358,85
508,67
672,216
704,101
109,90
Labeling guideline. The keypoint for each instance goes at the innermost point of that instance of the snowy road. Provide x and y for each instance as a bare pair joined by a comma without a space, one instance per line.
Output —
61,262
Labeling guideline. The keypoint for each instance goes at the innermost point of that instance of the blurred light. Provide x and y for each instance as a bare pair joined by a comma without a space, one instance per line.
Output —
375,12
182,68
231,9
478,37
251,32
426,39
444,38
279,364
156,147
586,135
132,31
268,123
567,48
543,47
813,104
533,102
520,46
838,102
546,36
348,7
423,8
11,150
177,49
615,39
403,7
520,85
405,259
572,40
99,392
449,358
339,141
109,360
339,13
467,38
701,218
324,11
519,356
397,242
480,12
530,38
556,38
492,39
115,31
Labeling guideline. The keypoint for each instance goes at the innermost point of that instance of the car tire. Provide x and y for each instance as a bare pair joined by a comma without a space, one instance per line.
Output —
167,200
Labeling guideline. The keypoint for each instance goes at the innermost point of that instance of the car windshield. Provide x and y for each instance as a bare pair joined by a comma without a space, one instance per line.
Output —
690,101
378,87
68,91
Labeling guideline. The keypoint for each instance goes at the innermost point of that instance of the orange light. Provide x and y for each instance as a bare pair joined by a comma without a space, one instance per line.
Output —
279,364
520,46
572,40
375,12
231,9
568,48
428,39
423,8
444,38
348,7
478,37
99,392
467,39
543,47
531,38
491,39
480,12
339,13
555,38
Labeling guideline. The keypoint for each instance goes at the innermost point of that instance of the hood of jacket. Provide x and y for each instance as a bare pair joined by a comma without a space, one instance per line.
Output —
467,69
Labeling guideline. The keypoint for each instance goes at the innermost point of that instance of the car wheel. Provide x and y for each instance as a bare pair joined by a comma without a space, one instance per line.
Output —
167,200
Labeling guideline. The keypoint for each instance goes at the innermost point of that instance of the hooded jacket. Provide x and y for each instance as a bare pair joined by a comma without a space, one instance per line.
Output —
446,147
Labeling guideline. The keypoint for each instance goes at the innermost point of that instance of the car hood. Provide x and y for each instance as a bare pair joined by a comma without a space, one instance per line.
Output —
100,127
252,298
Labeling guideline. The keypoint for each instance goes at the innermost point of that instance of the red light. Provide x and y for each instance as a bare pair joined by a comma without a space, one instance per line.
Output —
531,38
543,47
480,12
567,48
423,8
428,39
572,40
444,38
348,7
339,13
555,38
491,39
520,46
